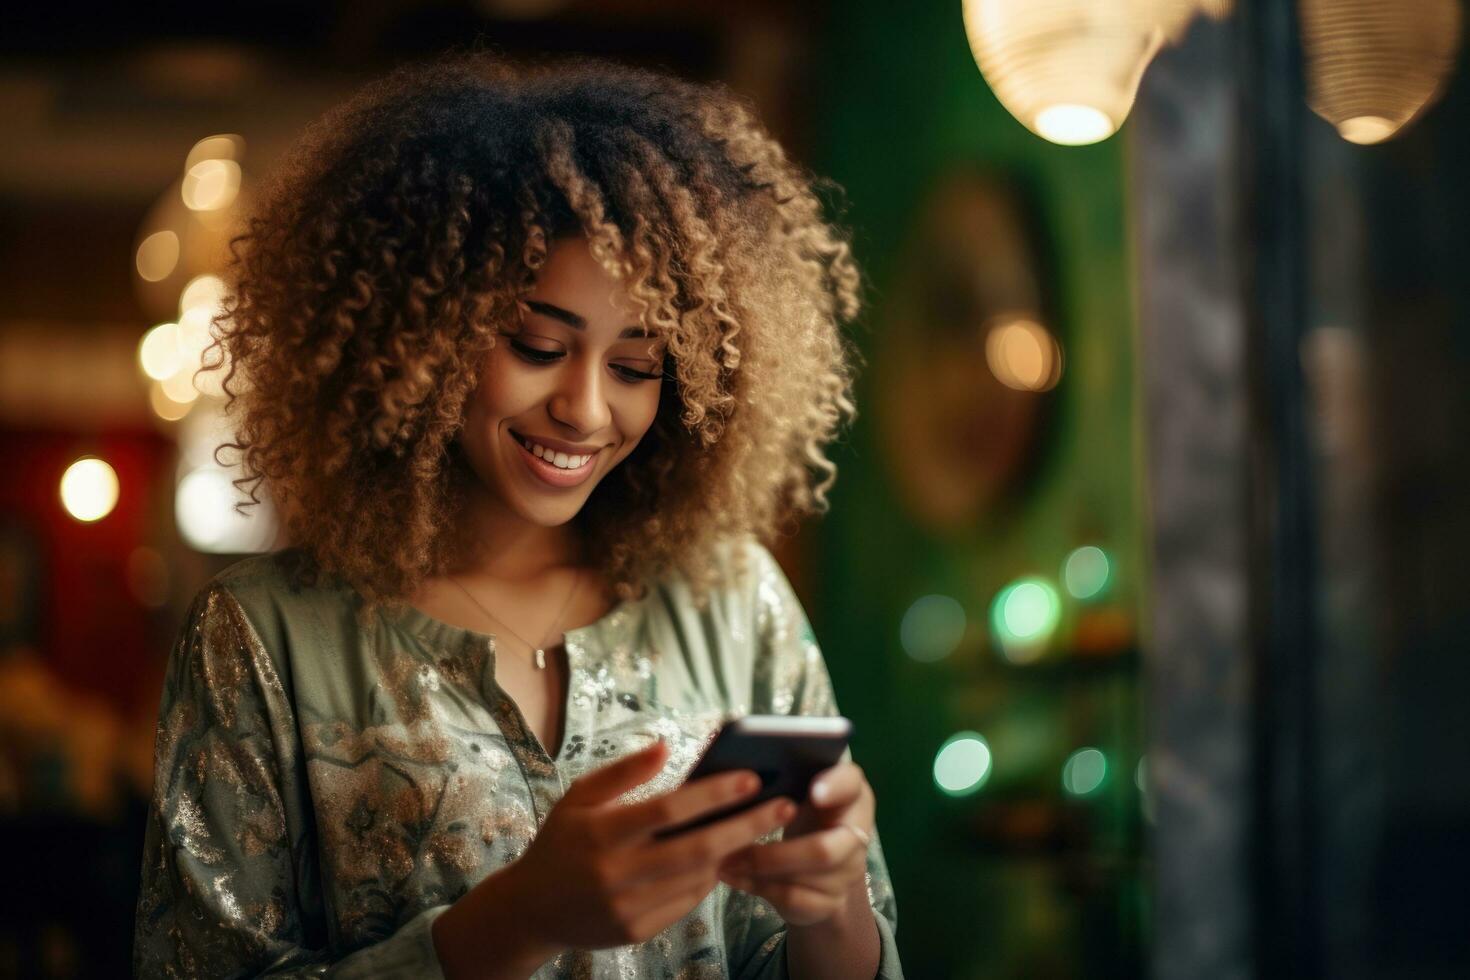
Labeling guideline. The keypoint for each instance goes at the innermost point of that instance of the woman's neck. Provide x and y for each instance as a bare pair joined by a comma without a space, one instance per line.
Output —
503,545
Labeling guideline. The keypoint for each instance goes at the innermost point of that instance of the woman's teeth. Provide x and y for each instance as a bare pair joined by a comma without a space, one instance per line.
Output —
559,460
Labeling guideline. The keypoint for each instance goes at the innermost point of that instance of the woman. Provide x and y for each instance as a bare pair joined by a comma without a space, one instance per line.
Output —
529,362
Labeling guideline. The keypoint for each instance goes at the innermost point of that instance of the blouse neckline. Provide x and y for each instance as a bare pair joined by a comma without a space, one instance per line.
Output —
437,631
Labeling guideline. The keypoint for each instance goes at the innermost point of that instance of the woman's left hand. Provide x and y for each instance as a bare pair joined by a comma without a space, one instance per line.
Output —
812,872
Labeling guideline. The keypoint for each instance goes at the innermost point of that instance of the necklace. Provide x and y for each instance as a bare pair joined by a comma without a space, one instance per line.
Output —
539,648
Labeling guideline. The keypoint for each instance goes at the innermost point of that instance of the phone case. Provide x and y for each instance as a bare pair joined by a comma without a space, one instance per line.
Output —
786,751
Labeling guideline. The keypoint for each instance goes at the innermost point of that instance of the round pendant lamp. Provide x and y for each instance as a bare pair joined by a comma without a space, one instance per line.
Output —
1067,69
1372,66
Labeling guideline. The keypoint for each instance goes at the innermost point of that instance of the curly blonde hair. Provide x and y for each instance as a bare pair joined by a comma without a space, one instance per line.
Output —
402,234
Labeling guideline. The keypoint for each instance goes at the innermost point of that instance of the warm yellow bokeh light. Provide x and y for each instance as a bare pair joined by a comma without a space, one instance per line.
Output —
89,489
211,185
226,146
1073,125
194,339
204,292
1022,355
180,385
165,407
158,351
158,256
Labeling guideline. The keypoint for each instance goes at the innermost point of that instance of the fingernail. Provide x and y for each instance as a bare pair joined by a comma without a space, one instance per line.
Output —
820,792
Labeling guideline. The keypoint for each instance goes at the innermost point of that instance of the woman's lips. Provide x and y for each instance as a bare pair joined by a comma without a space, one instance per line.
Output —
553,475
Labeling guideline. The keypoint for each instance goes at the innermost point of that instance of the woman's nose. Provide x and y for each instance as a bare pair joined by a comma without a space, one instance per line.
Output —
580,400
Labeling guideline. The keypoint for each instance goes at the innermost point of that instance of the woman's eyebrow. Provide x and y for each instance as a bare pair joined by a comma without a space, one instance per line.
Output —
576,322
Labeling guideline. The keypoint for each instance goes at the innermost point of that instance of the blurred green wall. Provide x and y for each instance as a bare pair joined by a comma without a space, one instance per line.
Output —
901,100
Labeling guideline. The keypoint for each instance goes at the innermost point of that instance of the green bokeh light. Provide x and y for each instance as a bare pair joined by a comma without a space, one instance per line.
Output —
1023,617
962,764
1087,572
1084,772
932,628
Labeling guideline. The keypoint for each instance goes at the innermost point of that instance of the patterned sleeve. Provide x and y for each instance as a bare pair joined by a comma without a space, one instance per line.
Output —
790,677
229,878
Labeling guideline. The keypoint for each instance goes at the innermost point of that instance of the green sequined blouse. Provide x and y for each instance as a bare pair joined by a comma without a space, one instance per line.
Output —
324,789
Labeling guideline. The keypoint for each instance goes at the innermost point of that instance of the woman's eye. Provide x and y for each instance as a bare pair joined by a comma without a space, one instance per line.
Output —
533,354
538,356
632,374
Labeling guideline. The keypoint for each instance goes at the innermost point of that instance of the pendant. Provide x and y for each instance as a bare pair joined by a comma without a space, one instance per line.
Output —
540,659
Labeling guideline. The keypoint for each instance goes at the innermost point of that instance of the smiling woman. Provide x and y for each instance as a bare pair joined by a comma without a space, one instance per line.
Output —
572,381
530,363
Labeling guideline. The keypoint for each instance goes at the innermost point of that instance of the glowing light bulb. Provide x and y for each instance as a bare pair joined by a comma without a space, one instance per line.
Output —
89,489
1074,125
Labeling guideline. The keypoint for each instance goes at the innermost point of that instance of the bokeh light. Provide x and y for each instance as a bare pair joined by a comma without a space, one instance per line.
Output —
165,407
932,627
206,292
211,185
1023,617
962,764
89,489
158,351
179,386
226,146
1022,354
1084,772
158,256
1086,572
204,508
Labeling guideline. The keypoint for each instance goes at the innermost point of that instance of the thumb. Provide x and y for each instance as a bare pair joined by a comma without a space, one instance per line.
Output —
611,781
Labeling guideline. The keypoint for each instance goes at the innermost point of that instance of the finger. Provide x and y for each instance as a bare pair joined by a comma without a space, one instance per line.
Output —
837,787
675,807
832,884
814,853
708,846
611,781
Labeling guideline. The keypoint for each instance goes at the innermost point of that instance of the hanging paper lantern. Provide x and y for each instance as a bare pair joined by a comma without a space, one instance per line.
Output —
1373,66
1067,69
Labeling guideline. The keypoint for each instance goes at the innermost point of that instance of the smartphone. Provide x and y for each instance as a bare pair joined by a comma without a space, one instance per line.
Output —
786,751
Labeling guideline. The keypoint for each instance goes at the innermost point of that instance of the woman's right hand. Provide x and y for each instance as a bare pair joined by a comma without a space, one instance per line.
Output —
594,876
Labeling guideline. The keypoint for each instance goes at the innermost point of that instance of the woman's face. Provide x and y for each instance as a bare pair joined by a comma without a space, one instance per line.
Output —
580,379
